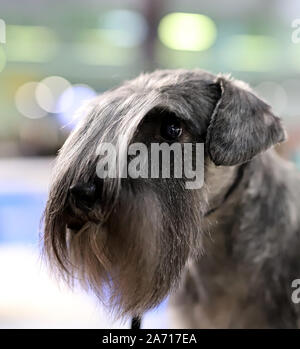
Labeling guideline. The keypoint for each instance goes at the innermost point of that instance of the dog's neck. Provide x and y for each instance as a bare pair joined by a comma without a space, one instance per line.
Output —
222,184
225,191
220,286
228,188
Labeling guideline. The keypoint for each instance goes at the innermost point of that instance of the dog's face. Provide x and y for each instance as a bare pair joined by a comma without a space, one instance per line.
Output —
135,235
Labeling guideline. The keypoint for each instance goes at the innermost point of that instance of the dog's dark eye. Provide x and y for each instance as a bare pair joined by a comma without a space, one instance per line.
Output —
170,129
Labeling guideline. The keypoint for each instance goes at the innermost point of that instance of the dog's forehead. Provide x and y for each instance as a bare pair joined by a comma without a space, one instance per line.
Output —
184,92
163,78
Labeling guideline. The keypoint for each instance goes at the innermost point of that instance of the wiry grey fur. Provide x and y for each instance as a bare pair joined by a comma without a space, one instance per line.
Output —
227,252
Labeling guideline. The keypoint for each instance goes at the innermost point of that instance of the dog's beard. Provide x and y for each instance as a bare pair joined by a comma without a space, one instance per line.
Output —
138,254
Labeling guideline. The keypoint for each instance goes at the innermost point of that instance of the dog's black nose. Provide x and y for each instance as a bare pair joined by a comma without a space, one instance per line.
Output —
82,200
84,194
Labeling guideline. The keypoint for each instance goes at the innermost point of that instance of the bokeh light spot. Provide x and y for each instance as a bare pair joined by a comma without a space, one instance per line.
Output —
187,31
30,43
274,94
26,103
78,94
49,91
292,89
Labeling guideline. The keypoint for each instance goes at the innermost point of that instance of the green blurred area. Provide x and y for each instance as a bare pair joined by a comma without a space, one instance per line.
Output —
98,44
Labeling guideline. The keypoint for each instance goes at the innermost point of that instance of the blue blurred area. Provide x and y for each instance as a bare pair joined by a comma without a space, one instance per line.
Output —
20,215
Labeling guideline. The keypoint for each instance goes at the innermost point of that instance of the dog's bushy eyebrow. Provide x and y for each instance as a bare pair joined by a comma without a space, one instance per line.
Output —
192,100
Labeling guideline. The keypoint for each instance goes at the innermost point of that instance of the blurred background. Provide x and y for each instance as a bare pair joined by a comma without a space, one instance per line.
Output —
54,55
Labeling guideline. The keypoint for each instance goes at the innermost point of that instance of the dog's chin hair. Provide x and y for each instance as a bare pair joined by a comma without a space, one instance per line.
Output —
137,257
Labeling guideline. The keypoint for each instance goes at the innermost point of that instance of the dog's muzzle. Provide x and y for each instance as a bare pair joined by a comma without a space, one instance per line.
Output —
82,198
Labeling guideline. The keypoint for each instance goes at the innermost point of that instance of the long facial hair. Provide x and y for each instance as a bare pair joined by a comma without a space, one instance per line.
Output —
139,234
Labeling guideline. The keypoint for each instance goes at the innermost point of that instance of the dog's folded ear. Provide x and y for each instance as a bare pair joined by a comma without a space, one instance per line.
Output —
242,125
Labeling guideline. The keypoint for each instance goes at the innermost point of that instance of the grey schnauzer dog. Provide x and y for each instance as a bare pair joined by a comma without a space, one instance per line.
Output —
225,253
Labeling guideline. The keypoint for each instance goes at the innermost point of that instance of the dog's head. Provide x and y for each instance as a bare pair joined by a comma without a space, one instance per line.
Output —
135,235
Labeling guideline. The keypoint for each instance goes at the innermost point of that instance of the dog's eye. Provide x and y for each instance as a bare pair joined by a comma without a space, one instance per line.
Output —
170,129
